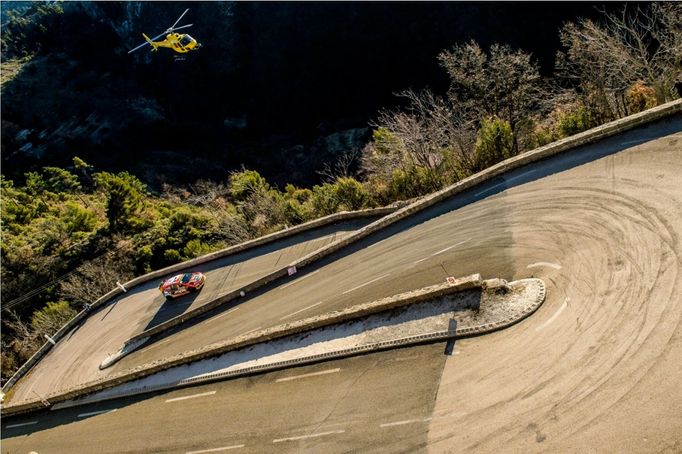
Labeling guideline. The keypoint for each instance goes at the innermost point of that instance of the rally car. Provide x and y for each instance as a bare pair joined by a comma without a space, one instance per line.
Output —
182,284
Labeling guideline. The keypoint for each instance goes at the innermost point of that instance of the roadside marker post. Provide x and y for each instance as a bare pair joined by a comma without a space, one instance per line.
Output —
119,285
49,339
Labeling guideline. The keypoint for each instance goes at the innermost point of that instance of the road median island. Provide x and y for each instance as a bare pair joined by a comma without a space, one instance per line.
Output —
465,307
587,137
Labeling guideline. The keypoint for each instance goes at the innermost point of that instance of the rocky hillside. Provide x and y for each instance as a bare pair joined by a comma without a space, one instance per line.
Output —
278,87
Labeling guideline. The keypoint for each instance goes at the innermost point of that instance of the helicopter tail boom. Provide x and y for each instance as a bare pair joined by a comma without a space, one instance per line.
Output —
151,43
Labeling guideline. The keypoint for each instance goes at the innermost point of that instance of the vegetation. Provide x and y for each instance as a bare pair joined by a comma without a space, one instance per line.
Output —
69,234
498,105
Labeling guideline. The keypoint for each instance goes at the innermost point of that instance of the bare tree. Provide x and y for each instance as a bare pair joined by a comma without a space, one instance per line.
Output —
605,59
430,133
97,277
342,167
504,83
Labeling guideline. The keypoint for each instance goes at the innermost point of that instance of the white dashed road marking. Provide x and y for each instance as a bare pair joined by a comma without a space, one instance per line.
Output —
299,279
401,423
299,311
29,423
175,399
92,413
366,283
556,314
448,248
426,419
556,266
224,448
303,437
312,374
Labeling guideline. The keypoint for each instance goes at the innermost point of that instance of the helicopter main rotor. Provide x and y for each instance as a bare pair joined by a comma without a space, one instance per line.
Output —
170,29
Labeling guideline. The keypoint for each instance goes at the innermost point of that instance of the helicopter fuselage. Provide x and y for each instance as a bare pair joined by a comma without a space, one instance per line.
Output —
179,42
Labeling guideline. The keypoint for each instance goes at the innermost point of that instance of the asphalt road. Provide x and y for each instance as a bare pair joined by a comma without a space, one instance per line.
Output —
76,358
339,406
597,368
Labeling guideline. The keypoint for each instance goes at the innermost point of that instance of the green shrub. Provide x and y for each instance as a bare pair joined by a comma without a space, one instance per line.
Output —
351,194
195,248
493,143
245,183
577,119
78,219
171,256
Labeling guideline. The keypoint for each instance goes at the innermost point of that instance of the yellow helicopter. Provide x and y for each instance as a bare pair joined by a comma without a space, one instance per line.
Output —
179,42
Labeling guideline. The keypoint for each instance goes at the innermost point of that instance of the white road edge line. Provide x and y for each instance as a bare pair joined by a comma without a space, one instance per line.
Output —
508,180
312,374
630,142
224,448
378,242
299,311
303,437
30,423
299,279
175,399
556,314
556,266
366,283
92,413
255,329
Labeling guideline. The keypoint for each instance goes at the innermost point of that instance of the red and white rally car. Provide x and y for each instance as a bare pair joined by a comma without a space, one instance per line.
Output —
182,284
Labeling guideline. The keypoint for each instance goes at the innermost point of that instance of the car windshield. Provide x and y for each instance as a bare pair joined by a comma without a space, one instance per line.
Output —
186,278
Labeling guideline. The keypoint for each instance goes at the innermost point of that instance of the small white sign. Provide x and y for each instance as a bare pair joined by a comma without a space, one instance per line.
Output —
451,280
291,270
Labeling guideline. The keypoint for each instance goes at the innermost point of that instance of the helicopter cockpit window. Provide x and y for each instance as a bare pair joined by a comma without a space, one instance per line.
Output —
186,40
